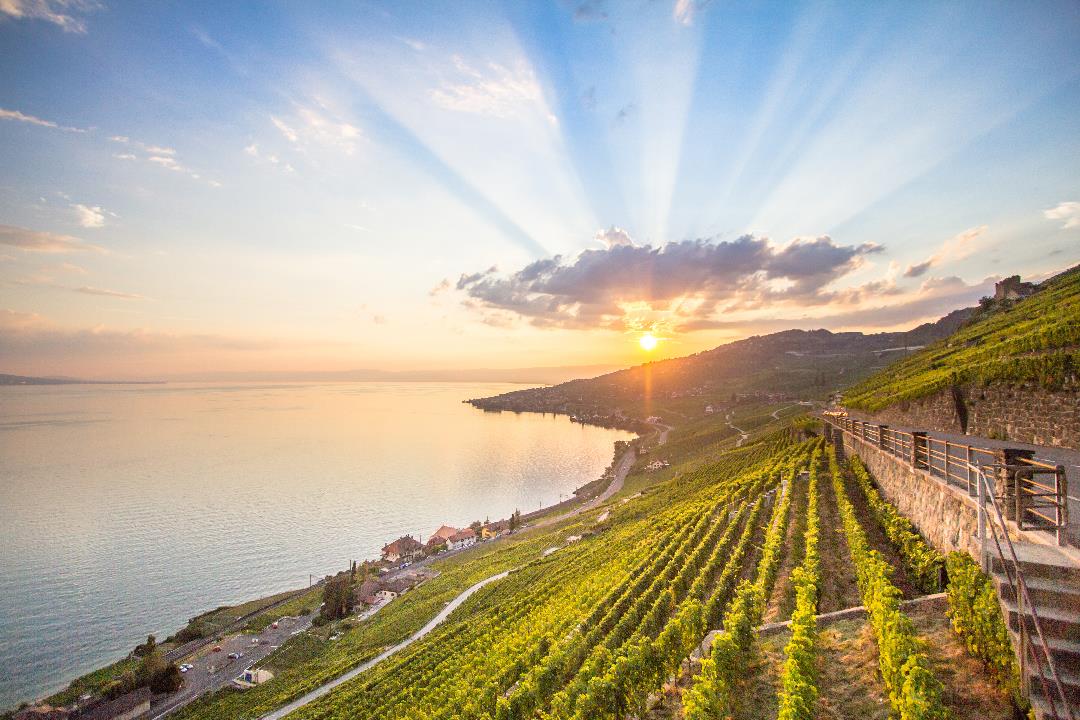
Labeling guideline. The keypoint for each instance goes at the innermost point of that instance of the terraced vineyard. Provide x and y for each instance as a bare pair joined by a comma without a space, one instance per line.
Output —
1037,340
606,615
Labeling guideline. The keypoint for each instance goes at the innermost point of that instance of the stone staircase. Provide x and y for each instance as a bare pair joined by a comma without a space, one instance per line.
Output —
1052,576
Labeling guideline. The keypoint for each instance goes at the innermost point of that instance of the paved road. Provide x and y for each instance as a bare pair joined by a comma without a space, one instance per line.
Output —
626,462
435,621
215,670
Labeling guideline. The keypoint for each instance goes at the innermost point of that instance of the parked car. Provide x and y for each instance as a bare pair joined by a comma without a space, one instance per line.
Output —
274,625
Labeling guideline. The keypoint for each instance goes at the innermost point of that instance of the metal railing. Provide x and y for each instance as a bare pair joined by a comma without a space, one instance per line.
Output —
1039,654
1035,493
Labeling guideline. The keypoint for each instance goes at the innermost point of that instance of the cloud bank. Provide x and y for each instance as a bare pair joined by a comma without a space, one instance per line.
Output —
43,242
689,282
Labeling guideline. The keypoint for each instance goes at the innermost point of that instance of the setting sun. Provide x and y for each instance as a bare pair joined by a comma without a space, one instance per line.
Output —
648,341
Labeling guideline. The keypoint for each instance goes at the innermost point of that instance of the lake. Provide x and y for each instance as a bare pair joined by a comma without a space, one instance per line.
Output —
126,509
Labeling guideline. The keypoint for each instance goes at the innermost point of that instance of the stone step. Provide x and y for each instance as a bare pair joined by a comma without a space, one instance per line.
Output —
1055,622
1039,561
1043,711
1044,592
1070,683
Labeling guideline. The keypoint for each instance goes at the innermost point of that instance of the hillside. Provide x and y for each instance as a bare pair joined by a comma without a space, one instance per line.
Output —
793,364
600,612
1035,341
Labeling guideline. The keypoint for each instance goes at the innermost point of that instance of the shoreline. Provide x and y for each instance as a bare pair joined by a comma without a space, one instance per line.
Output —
576,503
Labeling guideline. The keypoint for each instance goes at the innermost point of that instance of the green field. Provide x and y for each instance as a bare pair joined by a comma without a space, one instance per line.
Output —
1035,340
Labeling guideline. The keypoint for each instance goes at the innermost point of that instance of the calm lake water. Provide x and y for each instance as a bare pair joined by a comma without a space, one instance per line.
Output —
125,510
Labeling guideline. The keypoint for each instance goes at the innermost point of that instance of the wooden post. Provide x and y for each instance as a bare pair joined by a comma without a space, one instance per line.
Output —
919,448
883,431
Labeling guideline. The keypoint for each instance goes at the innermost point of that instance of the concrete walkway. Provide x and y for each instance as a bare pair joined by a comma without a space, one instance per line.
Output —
432,624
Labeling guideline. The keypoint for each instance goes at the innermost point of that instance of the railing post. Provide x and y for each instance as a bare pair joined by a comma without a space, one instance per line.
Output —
1063,506
1008,484
968,460
882,431
984,561
919,447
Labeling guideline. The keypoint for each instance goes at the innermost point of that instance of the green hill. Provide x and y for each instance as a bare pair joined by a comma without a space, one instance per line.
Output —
1035,340
793,364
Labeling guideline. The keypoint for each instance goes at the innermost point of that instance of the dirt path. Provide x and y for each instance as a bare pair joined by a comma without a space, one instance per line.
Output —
435,621
877,538
848,681
782,600
838,585
969,693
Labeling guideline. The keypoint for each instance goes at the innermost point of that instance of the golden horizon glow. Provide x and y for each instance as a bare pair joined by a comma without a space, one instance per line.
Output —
648,342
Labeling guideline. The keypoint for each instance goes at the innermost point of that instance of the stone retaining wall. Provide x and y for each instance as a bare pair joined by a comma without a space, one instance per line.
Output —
945,516
1025,414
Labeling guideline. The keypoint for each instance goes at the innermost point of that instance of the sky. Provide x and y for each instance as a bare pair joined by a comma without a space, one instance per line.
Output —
202,186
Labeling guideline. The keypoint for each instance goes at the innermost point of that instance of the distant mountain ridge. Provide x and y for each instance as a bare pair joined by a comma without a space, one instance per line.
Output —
802,363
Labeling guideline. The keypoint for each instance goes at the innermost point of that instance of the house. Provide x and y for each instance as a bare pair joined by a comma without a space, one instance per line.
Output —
463,539
42,712
385,595
442,535
253,677
400,585
653,419
127,706
492,530
709,409
365,593
404,548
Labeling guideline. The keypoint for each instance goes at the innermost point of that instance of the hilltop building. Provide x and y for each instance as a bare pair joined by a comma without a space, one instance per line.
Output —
1011,288
404,548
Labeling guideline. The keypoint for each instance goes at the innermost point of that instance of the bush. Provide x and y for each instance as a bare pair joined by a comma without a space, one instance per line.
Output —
976,618
922,562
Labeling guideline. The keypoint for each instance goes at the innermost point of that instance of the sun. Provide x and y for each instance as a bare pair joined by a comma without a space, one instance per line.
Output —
648,341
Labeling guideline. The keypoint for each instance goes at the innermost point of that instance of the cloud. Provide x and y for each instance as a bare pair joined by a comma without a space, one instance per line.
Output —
33,343
494,89
160,155
253,151
59,12
43,242
686,11
89,216
955,248
623,283
613,237
17,116
311,127
1069,212
290,134
87,290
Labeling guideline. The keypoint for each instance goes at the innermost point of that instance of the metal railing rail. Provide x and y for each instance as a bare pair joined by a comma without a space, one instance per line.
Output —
1039,502
1023,599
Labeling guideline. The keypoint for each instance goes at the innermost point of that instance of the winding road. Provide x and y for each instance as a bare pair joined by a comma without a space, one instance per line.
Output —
432,624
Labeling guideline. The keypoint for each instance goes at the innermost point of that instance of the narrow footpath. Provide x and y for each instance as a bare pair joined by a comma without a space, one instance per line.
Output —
432,624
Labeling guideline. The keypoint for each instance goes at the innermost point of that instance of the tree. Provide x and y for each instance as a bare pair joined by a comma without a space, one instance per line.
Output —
475,526
337,597
514,520
168,680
